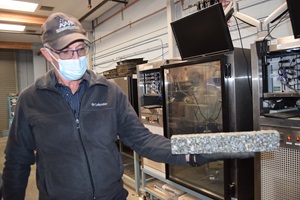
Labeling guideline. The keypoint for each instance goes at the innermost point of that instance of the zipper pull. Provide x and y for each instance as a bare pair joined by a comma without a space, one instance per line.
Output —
77,124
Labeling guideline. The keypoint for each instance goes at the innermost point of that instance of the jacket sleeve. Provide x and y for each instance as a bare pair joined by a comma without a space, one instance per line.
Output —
19,155
135,135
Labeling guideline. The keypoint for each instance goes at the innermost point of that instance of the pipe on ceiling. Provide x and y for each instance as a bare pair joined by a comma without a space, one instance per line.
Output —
92,10
131,23
121,10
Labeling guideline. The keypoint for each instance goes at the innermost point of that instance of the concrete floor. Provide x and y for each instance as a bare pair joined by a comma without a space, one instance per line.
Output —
32,192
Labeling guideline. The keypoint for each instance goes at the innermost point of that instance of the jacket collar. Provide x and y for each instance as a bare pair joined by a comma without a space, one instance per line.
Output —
49,80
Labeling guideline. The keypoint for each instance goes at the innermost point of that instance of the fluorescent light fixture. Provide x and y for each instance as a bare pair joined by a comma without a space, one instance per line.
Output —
11,27
18,5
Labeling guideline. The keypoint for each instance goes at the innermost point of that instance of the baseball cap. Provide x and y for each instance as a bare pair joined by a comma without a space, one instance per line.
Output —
61,29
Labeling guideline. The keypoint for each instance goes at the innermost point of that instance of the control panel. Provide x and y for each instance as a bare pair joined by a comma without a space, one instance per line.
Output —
284,73
150,96
150,92
280,73
150,105
290,138
289,135
151,82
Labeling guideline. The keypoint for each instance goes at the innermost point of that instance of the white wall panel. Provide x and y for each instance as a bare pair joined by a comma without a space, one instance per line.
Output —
144,39
149,37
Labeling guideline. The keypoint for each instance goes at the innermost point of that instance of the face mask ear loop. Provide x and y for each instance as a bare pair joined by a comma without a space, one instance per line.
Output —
50,53
53,58
52,62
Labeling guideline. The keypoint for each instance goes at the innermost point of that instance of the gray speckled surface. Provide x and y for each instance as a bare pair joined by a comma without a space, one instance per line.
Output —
252,141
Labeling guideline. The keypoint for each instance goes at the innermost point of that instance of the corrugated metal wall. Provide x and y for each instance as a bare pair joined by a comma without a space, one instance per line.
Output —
8,84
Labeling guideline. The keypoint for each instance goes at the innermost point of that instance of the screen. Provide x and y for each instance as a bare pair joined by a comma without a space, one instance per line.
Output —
294,10
202,33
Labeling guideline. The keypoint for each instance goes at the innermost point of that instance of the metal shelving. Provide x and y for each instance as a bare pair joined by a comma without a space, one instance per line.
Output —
150,186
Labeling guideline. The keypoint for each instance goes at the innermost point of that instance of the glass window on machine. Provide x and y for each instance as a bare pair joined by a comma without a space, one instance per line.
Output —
194,101
193,97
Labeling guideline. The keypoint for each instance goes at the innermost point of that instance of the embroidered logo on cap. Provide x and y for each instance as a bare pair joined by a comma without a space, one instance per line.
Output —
65,25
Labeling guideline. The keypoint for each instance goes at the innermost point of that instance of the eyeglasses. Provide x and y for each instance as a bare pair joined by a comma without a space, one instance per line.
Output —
68,54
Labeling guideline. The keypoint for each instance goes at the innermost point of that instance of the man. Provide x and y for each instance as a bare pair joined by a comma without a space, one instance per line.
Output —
67,123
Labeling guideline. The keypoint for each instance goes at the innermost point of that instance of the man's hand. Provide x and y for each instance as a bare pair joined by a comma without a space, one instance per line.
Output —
200,159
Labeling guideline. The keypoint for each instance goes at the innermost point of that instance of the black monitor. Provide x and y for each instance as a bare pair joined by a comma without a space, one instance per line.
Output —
202,33
294,10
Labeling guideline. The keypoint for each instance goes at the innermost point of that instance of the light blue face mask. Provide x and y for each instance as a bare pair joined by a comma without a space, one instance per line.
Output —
71,69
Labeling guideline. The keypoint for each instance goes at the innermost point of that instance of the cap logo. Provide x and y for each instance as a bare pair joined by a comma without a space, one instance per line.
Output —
66,25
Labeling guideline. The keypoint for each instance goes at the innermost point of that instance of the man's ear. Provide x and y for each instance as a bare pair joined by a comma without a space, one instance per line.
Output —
46,54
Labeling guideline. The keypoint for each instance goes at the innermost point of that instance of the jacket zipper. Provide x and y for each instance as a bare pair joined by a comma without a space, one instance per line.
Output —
86,157
85,153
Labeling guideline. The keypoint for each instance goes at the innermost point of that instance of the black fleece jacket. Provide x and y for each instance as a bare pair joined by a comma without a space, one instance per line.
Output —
76,160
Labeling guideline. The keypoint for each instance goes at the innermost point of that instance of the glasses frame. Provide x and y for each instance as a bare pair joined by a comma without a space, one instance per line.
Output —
86,47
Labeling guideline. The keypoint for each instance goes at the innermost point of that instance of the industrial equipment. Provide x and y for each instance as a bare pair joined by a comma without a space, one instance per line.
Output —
209,95
150,104
276,97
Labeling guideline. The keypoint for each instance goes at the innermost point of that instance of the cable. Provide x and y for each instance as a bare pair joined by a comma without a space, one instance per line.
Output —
275,26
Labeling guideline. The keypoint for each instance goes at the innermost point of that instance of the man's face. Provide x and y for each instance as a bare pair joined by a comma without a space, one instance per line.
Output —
73,51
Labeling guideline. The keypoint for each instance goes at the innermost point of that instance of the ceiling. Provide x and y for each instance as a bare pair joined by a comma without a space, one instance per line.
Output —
33,21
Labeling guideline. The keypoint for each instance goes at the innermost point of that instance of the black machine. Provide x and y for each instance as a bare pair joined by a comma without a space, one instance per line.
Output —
203,33
210,95
293,8
210,92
